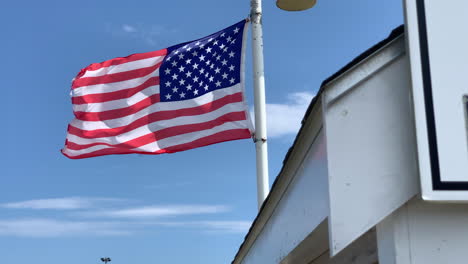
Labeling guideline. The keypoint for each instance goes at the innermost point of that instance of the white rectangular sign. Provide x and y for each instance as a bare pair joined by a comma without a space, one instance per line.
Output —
437,38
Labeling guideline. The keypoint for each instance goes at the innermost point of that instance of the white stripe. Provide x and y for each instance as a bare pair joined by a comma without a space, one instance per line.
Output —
116,104
190,137
128,66
112,87
159,125
72,153
168,142
162,106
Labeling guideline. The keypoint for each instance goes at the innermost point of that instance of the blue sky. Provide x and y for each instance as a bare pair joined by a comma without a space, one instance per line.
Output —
189,207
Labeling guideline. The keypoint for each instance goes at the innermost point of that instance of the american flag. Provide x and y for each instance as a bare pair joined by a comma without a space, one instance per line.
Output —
186,96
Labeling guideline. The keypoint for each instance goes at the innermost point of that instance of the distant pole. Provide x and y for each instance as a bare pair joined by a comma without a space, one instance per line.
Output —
259,94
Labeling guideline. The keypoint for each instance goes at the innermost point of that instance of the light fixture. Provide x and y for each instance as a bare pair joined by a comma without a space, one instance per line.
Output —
105,260
295,5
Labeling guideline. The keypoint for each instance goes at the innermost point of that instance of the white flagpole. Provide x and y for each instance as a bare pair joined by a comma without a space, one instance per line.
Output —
259,94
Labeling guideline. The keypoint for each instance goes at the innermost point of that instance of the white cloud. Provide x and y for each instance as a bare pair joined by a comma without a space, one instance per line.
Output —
57,228
43,227
153,35
159,211
211,226
285,118
128,28
228,226
66,203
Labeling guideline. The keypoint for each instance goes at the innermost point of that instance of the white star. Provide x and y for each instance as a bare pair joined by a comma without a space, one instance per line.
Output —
195,79
202,58
222,46
215,43
168,58
198,43
202,70
229,38
207,62
225,49
201,83
231,68
206,87
212,65
182,82
182,95
236,30
231,54
224,62
168,96
195,92
174,63
176,52
168,83
217,69
181,56
218,84
174,76
225,75
188,61
218,57
185,46
189,48
223,34
188,74
181,68
167,71
202,45
208,50
189,87
233,41
231,80
175,89
206,75
195,53
211,78
195,66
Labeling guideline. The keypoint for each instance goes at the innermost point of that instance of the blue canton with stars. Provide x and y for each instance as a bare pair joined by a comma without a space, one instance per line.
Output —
198,67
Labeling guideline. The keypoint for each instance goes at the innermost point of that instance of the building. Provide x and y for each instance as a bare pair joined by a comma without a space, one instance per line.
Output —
349,189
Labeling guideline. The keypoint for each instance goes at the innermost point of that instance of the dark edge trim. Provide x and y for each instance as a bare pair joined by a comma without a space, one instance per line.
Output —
437,183
397,32
465,105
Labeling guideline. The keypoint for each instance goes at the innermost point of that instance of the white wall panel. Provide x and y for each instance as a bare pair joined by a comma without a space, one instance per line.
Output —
301,209
424,233
372,161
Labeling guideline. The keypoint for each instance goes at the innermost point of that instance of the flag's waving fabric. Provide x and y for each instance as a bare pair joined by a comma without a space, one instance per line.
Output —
186,96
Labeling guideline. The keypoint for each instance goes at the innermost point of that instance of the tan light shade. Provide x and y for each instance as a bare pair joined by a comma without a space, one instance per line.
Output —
295,5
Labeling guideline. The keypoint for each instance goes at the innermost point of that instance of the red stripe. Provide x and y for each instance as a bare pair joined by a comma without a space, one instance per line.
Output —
104,97
222,136
166,132
118,113
157,116
114,77
121,60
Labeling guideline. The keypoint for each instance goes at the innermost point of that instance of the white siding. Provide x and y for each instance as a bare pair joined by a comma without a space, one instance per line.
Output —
303,207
